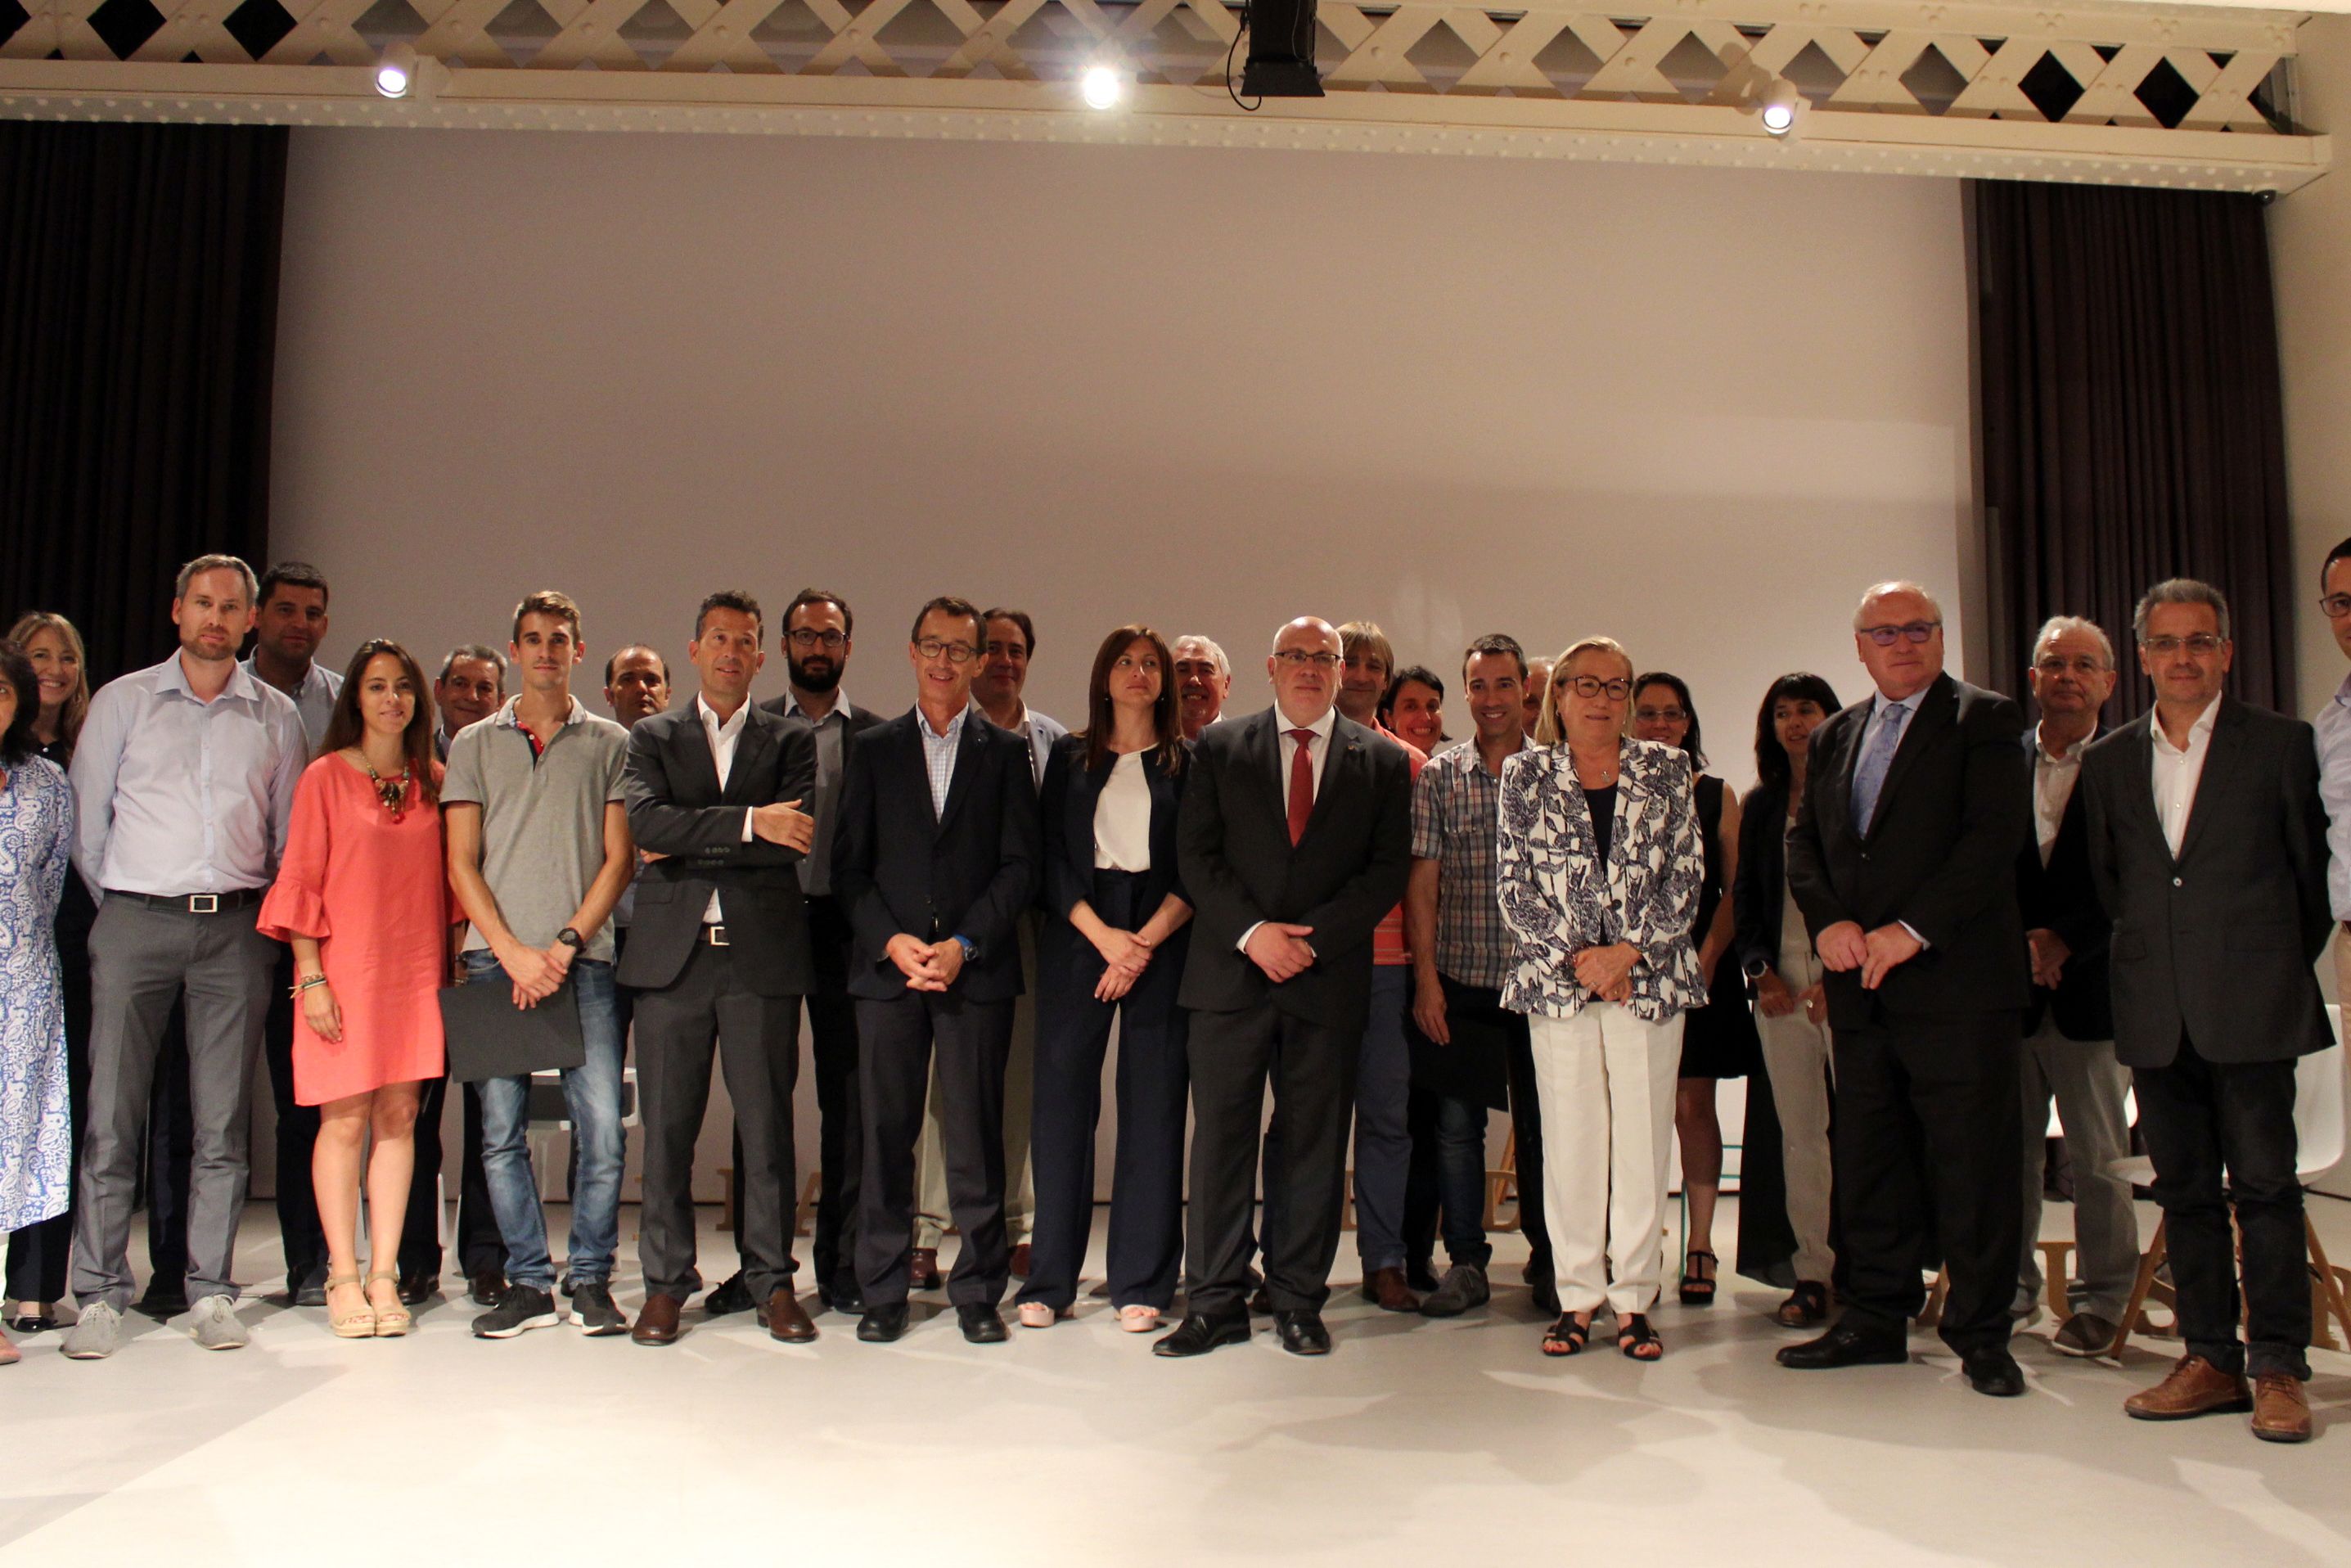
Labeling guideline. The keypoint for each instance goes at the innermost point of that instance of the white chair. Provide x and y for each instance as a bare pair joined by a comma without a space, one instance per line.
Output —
2320,1096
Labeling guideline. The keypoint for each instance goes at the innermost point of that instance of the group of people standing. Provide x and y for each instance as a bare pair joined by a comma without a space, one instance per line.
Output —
1926,911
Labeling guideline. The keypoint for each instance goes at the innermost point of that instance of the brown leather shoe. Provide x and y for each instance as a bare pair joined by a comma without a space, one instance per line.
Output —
2281,1411
658,1321
2196,1388
785,1319
923,1269
1387,1287
1020,1262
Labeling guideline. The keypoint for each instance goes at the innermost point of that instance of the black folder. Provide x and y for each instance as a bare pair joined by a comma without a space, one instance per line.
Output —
490,1037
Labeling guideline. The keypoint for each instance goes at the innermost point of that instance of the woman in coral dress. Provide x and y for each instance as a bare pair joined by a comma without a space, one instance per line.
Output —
363,895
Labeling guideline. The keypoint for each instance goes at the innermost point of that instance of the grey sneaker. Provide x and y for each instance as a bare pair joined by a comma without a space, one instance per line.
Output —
593,1309
1463,1287
213,1323
96,1336
2084,1334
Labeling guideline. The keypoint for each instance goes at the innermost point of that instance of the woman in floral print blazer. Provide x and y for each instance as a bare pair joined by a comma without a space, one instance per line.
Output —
1600,861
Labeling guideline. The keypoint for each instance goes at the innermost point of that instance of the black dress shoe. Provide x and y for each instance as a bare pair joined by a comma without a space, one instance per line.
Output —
982,1324
882,1326
1846,1344
1302,1332
1260,1301
164,1300
1993,1371
1420,1273
487,1287
311,1289
1199,1333
417,1289
845,1297
731,1296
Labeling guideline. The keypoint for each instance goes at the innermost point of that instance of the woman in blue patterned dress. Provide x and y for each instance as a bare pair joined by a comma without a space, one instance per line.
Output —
37,820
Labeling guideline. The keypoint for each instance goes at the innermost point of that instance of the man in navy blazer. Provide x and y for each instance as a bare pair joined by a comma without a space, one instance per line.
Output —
934,856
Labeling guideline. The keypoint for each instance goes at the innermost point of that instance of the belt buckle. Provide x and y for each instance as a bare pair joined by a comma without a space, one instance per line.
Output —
203,903
717,936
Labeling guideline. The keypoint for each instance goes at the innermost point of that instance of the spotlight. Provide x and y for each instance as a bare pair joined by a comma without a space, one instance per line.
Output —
395,69
1780,107
1102,87
1280,51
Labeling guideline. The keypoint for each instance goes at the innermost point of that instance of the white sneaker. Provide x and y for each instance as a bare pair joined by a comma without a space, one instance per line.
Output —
213,1322
96,1334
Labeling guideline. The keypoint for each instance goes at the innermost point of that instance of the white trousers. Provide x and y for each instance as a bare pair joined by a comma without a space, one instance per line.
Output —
1604,1079
1796,1057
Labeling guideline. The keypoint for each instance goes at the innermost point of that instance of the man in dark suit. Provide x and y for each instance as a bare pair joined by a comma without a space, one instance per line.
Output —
1294,839
2069,1029
934,856
718,953
1903,859
2209,842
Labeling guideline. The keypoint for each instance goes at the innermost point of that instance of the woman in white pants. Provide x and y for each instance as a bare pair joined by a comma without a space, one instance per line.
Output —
1790,1009
1600,860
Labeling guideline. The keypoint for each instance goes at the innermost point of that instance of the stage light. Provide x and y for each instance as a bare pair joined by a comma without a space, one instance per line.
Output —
395,69
1280,51
1102,87
1780,107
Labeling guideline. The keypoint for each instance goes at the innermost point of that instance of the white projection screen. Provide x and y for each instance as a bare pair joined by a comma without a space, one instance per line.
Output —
1695,410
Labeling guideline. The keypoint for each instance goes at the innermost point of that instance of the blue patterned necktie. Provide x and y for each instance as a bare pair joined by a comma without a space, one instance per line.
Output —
1870,777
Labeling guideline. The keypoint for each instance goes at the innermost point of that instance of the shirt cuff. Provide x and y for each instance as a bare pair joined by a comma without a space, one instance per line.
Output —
747,824
1242,945
1913,933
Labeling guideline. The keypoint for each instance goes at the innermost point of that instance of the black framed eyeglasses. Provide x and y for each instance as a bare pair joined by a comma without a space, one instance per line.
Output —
954,653
806,640
1617,690
1298,659
2335,605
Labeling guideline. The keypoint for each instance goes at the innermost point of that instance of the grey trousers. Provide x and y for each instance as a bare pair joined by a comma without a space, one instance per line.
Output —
141,959
756,1039
2089,1086
931,1205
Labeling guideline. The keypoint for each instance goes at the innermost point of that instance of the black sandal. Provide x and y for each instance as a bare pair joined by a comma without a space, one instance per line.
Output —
1806,1307
1636,1341
1573,1331
1698,1289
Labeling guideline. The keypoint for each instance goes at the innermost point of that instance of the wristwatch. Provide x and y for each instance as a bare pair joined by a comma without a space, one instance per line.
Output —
571,939
1755,968
970,948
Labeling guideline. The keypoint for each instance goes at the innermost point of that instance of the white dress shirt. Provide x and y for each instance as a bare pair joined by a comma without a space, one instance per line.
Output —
939,755
2334,726
1123,817
2178,773
178,796
1318,751
2055,775
721,739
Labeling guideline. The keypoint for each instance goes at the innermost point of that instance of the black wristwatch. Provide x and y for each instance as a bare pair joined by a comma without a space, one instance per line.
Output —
571,939
1755,968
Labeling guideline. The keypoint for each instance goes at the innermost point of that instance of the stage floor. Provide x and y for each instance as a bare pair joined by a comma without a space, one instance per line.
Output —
1439,1441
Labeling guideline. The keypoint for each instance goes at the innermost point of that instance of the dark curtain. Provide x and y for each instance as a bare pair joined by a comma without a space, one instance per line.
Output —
137,328
2132,420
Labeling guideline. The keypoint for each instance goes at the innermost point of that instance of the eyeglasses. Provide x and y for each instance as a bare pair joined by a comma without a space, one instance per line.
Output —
805,639
2336,605
1658,715
2201,644
1917,630
1593,685
954,653
2053,665
1298,659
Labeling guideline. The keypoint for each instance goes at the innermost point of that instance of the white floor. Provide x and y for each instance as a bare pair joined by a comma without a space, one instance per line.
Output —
1435,1440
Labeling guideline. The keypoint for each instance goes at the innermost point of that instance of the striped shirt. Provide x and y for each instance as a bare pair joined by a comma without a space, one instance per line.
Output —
939,755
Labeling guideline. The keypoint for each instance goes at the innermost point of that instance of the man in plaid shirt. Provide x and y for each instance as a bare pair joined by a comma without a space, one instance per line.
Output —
1470,1050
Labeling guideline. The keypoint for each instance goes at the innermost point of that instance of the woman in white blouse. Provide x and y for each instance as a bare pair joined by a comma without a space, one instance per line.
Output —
1598,852
1112,948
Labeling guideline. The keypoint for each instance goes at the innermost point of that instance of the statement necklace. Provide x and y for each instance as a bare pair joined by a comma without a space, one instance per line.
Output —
393,792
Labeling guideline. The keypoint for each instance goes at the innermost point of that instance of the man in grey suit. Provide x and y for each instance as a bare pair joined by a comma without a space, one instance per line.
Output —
719,954
2208,844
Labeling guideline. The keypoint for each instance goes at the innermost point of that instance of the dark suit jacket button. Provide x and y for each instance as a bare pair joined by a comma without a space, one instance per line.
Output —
2177,883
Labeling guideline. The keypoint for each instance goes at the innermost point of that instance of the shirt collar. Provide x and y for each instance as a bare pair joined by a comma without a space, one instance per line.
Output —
244,685
954,728
506,715
2343,692
727,729
1911,702
2201,730
841,707
2071,753
1321,727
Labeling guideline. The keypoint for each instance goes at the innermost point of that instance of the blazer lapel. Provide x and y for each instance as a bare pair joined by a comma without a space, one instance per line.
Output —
2140,792
1265,754
1340,765
969,749
751,748
2219,776
694,747
1933,715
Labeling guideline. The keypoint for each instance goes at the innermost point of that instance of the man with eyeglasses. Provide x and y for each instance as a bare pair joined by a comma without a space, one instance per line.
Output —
934,856
2333,726
2209,841
1903,860
2069,1028
1294,839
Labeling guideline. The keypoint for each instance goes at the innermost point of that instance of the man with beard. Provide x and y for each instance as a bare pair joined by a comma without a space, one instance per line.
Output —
1204,678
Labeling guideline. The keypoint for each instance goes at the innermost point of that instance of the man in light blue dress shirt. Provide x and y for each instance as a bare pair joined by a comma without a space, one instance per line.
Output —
2333,724
185,781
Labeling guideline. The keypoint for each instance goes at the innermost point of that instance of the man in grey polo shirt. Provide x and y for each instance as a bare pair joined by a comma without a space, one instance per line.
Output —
538,851
183,780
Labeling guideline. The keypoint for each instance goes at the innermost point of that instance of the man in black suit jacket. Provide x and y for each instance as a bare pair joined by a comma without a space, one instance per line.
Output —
2210,846
1903,859
719,953
2069,1029
935,857
1294,839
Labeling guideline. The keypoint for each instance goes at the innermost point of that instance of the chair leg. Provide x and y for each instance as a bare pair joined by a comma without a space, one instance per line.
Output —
1932,1313
2156,1251
2330,1290
2055,1266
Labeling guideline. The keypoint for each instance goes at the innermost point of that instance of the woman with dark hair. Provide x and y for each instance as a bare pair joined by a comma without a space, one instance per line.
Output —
1413,709
363,897
36,1254
1776,956
1112,948
1719,1038
36,835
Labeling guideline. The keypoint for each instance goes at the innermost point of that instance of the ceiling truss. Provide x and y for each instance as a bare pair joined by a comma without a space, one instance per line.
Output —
2143,94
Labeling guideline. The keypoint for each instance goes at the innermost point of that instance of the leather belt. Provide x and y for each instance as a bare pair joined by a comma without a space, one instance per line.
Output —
716,936
194,903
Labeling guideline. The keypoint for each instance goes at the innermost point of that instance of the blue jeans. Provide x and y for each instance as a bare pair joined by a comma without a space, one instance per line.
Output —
1461,1178
1382,1137
592,1093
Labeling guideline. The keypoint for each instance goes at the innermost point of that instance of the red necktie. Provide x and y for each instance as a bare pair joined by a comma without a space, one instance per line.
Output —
1301,782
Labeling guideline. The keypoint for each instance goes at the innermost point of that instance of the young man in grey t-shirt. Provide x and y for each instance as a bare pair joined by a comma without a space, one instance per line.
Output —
539,852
